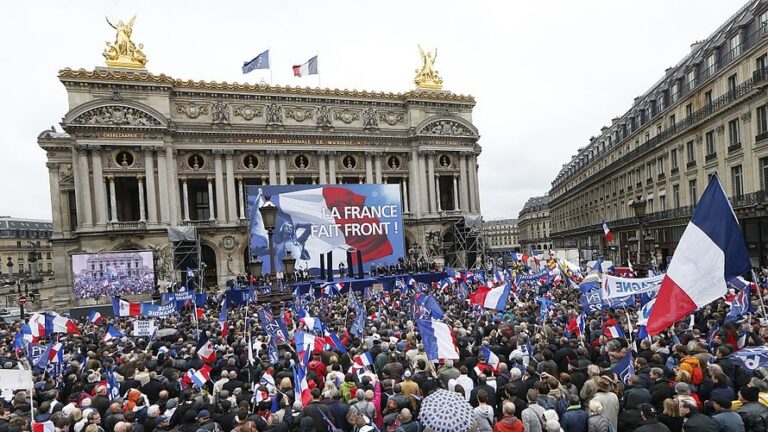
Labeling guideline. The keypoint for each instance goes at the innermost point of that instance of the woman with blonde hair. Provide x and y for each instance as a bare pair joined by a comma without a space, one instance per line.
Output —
671,415
598,421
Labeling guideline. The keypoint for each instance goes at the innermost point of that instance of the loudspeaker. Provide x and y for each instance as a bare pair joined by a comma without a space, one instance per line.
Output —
350,265
329,264
359,264
322,266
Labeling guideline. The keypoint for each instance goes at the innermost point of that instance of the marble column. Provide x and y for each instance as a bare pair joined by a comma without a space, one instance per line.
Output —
272,166
142,209
414,183
53,185
377,167
185,197
368,167
431,181
463,183
437,193
99,187
162,186
241,197
283,173
149,172
87,216
78,180
218,171
456,192
472,184
404,184
321,166
211,201
173,185
112,199
332,167
231,197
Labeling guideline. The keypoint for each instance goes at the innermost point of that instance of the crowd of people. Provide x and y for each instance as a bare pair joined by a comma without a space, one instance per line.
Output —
518,370
85,286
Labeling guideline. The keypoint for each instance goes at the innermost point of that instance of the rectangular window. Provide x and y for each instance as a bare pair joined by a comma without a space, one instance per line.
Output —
660,165
761,62
709,138
691,79
732,83
708,98
734,135
650,205
675,92
764,22
737,181
711,64
690,148
762,119
735,45
692,195
663,202
764,173
672,121
673,158
689,110
676,195
649,170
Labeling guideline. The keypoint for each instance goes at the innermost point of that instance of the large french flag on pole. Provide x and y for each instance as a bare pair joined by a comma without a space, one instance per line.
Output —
711,252
438,339
488,298
125,308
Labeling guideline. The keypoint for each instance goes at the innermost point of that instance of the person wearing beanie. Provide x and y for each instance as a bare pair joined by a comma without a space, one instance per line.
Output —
752,411
726,419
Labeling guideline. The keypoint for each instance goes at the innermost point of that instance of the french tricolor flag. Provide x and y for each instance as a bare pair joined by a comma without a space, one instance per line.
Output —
301,387
55,323
201,376
36,326
606,231
488,298
95,317
711,252
43,426
363,360
490,358
614,331
112,333
438,339
205,349
124,308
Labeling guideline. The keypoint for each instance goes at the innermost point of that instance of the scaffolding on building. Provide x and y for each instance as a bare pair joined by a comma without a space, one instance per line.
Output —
469,247
186,256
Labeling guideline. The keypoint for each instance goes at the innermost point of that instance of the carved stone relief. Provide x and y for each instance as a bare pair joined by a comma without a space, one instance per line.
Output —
298,113
274,114
323,116
248,112
370,118
446,127
220,113
391,118
116,115
346,116
193,110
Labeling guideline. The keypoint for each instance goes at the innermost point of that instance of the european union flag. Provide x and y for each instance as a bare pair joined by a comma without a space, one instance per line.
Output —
261,61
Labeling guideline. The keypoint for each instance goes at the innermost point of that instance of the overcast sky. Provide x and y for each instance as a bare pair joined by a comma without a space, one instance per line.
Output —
546,75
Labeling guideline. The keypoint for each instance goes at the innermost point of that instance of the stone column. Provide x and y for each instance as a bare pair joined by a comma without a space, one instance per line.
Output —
283,174
162,185
472,185
368,167
404,184
149,172
321,167
272,166
437,193
241,197
142,210
414,183
431,181
185,196
377,166
78,180
231,197
99,187
211,202
85,187
112,199
219,173
463,185
456,192
53,185
332,167
173,185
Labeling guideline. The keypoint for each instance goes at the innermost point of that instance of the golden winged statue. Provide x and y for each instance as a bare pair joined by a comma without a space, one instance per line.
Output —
123,52
427,77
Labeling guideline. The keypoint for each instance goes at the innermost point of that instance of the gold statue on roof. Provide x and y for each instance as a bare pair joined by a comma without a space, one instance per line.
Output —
123,53
427,77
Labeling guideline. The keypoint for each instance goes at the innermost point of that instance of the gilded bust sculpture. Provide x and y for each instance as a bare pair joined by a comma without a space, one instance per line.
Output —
123,52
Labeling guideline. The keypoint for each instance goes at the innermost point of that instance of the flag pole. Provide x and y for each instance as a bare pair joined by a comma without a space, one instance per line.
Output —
270,68
759,294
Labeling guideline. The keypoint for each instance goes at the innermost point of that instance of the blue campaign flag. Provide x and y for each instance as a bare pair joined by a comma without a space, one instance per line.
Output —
261,61
740,305
462,291
545,305
625,367
429,302
588,286
113,387
619,303
359,324
711,335
270,325
272,352
751,358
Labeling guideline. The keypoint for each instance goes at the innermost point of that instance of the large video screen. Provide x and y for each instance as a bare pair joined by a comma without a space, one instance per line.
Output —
317,219
111,274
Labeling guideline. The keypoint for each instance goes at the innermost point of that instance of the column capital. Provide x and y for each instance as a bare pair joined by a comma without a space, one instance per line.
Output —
140,178
239,178
111,178
183,179
465,153
331,152
209,179
282,152
271,152
369,154
93,147
217,152
52,165
80,148
148,148
228,152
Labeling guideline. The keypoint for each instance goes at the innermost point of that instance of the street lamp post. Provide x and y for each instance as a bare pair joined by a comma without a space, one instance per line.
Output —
10,269
268,213
638,206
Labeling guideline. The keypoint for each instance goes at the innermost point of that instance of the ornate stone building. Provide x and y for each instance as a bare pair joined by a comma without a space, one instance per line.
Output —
17,237
706,115
501,236
533,225
141,152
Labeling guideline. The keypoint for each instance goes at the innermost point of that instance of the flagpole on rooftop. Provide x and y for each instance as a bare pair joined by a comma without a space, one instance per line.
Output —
270,68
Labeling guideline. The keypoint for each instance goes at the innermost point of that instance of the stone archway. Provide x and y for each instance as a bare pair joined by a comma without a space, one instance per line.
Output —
210,270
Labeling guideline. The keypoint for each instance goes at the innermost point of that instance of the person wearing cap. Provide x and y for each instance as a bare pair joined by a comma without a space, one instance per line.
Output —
608,400
726,419
408,386
650,423
752,412
204,421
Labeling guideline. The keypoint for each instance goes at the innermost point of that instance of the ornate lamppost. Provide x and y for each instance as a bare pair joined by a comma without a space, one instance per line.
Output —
638,206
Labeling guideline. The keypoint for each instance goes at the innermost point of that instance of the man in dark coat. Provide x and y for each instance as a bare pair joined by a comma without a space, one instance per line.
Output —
649,423
316,410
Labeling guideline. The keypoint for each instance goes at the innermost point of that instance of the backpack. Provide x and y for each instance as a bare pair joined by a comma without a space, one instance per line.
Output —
697,376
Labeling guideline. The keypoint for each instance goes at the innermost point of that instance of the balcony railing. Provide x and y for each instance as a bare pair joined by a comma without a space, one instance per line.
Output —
709,157
126,225
205,223
691,164
734,148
